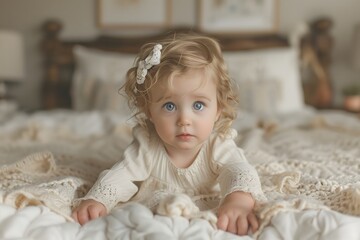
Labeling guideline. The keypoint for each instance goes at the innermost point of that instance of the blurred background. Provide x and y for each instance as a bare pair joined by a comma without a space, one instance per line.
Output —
79,17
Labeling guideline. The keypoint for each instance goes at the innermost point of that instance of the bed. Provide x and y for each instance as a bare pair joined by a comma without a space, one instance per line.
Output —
308,159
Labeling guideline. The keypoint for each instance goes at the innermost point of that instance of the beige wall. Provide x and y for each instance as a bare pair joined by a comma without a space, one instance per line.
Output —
78,17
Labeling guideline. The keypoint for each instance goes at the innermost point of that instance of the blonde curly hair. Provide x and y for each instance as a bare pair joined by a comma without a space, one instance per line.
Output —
180,53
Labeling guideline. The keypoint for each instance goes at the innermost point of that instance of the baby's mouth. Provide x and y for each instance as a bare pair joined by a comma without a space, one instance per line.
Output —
184,136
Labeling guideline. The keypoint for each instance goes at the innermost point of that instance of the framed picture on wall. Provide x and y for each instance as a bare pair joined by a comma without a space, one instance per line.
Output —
133,13
238,16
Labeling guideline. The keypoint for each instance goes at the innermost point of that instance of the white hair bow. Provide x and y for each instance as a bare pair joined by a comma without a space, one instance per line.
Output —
144,65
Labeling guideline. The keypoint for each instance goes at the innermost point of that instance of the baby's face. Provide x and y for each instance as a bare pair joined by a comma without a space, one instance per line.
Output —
184,114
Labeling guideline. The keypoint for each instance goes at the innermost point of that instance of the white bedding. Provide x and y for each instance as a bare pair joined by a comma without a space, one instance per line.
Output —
309,164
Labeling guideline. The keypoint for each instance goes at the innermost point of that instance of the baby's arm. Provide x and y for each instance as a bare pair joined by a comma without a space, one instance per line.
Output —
116,184
88,209
239,183
235,214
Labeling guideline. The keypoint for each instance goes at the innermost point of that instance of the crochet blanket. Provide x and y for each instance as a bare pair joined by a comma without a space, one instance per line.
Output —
309,165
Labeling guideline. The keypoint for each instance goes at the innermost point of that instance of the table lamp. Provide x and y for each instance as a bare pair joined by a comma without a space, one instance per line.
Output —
11,60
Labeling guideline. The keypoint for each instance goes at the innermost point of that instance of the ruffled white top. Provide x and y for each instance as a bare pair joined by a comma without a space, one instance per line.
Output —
145,173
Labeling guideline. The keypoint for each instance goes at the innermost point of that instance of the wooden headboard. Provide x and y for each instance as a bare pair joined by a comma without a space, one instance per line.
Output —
59,62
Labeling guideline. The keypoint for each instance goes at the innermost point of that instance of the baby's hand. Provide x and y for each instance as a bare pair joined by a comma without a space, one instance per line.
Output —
236,214
88,210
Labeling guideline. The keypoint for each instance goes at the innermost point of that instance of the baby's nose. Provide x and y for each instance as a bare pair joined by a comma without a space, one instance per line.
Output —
184,119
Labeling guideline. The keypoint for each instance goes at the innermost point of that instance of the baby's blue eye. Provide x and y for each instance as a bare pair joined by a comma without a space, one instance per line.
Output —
198,106
169,106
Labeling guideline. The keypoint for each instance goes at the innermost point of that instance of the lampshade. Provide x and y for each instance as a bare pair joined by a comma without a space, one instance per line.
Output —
11,56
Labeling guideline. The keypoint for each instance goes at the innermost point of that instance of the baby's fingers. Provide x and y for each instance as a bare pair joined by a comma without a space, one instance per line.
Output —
253,222
83,216
95,211
242,226
222,222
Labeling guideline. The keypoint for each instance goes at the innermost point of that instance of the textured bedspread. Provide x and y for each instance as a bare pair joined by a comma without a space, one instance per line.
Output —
309,164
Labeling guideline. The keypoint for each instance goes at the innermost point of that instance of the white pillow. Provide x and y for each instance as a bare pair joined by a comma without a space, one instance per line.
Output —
269,80
97,79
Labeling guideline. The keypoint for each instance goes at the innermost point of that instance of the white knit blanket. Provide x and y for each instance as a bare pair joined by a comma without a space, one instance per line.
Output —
309,164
